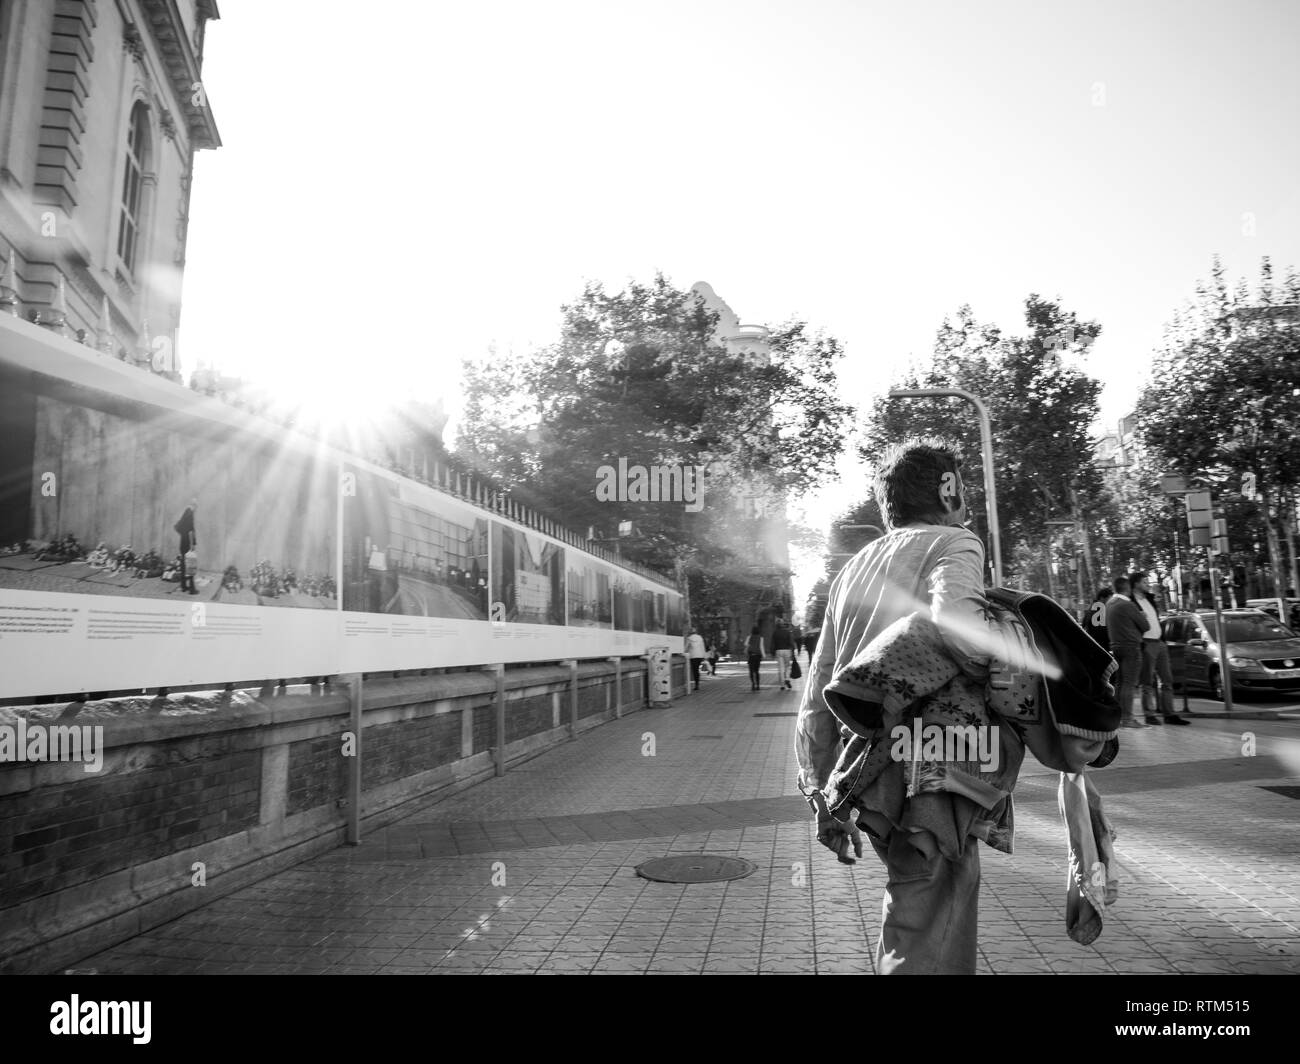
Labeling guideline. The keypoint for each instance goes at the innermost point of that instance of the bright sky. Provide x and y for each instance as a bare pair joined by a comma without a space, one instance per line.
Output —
403,184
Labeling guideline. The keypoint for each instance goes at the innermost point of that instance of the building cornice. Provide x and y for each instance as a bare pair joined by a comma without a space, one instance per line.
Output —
182,65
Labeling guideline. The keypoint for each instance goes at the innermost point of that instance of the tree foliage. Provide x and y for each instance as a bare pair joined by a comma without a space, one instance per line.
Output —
639,375
1224,399
1041,408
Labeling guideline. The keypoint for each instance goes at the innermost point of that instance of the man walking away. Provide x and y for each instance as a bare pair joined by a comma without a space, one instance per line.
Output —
927,563
754,652
1126,625
695,652
783,644
1155,658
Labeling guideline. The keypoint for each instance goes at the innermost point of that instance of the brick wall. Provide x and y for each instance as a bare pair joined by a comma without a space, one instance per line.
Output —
87,860
593,698
70,833
405,748
528,716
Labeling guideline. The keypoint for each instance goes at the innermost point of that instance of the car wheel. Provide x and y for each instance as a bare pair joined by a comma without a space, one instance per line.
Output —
1216,685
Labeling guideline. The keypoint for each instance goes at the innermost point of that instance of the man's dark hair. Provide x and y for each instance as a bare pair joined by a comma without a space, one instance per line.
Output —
1104,593
1135,577
1121,585
909,478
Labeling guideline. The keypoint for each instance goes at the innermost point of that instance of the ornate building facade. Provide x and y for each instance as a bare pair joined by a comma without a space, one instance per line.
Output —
102,108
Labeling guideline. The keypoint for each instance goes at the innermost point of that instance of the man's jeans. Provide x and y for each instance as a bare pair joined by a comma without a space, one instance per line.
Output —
1155,665
783,665
931,911
1129,660
695,671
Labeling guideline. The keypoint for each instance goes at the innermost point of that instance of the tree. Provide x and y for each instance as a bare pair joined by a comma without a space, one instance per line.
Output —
1224,398
1041,408
639,375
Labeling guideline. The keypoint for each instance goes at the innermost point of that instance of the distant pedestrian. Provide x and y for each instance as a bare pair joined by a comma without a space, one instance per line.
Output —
754,654
783,645
189,562
810,644
695,652
1094,618
1126,625
1155,659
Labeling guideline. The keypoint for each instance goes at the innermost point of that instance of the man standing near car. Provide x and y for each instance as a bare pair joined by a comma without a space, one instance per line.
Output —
1126,625
1155,658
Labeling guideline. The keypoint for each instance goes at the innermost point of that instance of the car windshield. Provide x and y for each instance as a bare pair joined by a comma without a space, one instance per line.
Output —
1245,628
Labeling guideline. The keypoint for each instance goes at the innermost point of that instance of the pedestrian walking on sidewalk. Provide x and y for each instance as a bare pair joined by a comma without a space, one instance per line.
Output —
1155,659
783,646
1126,626
927,565
754,654
695,653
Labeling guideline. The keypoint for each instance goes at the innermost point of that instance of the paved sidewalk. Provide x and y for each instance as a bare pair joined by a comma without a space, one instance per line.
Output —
534,872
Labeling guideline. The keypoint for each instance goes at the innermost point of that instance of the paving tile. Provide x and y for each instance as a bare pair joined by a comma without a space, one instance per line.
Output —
1195,897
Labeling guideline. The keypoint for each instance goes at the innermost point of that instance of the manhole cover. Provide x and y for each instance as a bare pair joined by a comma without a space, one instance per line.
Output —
776,714
708,736
1286,792
695,868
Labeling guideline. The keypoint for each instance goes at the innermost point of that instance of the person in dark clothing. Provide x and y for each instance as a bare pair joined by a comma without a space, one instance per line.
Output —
185,528
1094,618
754,655
1126,626
810,644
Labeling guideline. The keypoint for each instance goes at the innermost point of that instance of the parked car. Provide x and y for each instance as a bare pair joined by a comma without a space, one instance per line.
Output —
1263,654
1269,606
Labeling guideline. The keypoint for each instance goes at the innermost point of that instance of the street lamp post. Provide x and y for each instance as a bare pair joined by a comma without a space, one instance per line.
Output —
986,443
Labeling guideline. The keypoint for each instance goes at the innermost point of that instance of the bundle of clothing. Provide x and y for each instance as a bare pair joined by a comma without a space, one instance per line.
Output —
936,753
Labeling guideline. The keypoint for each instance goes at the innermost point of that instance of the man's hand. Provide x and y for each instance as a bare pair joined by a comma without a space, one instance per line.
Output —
835,835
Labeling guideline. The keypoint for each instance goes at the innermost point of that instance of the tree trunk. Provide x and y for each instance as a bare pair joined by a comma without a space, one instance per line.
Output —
1274,553
1085,541
1288,525
683,585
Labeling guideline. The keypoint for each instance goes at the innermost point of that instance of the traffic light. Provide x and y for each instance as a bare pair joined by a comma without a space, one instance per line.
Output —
1220,530
1199,517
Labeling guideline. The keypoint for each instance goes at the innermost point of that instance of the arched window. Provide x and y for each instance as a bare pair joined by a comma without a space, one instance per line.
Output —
128,230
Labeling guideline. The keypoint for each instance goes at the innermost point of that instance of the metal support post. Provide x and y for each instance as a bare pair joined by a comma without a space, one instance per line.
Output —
355,704
499,731
618,687
573,697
